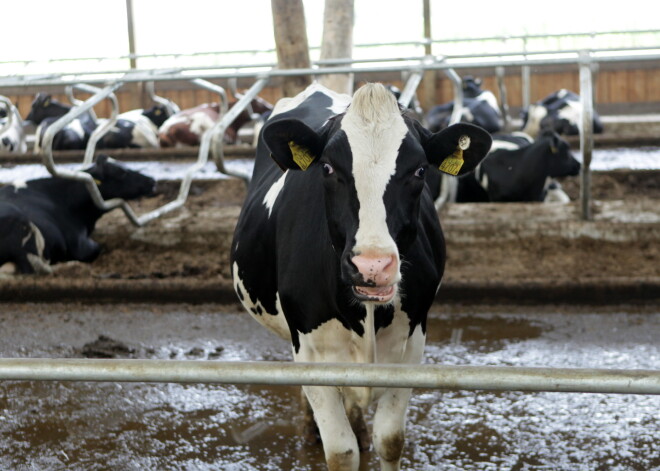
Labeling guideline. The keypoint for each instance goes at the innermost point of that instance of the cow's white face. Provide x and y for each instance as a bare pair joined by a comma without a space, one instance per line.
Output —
372,161
375,131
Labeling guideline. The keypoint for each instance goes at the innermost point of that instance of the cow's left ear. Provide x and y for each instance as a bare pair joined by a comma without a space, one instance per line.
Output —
458,149
293,144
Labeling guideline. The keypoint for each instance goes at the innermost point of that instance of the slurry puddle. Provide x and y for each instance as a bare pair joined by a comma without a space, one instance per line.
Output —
131,426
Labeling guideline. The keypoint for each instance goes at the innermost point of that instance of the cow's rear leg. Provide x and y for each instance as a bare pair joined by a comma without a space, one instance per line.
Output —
339,442
389,427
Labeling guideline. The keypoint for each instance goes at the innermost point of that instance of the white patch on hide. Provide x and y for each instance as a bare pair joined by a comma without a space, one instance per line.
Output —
274,192
275,322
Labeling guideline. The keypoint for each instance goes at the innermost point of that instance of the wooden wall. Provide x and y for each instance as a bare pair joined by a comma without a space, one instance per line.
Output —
613,86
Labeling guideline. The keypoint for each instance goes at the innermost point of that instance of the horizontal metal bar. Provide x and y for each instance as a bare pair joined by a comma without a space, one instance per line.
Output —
357,46
335,374
212,72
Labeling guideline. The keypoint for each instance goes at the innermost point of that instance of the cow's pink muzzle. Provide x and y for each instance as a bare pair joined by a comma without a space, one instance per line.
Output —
380,274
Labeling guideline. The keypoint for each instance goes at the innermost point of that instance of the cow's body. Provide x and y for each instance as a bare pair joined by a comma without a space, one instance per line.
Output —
317,254
135,129
50,220
479,107
45,111
12,136
561,112
186,127
520,169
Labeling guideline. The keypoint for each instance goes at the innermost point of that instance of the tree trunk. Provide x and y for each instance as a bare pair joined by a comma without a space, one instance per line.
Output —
291,43
337,43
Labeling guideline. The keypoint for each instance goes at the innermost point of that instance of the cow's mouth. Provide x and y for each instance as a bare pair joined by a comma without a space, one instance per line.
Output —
378,294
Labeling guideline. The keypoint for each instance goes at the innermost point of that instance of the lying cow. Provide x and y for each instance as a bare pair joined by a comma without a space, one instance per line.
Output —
187,127
560,111
135,129
338,202
12,136
46,110
50,220
520,169
479,107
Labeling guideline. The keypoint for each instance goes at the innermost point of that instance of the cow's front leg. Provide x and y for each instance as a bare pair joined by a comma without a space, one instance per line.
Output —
389,427
339,442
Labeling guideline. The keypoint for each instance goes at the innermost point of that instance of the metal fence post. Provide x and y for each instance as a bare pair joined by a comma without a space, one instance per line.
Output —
586,134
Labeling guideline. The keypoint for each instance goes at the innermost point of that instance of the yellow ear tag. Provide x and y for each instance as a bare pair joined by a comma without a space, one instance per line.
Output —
452,164
301,156
98,182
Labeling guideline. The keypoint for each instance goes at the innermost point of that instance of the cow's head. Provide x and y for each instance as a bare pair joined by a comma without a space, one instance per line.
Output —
117,181
560,161
158,114
44,106
372,161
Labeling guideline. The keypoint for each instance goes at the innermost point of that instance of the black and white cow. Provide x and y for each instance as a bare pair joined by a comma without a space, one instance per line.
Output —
479,107
135,129
12,135
520,169
50,220
560,111
338,247
46,110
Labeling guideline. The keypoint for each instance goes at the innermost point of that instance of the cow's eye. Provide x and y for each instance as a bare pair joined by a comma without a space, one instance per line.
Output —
420,172
327,169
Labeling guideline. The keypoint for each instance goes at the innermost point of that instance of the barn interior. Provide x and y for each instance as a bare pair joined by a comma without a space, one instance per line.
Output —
572,284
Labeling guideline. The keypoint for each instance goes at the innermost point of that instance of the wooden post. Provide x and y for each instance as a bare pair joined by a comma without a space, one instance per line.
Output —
337,42
291,43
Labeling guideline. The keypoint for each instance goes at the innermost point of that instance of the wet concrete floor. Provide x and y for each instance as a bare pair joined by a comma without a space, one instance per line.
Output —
133,426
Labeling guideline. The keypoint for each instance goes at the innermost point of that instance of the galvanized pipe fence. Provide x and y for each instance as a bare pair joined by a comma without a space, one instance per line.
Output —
463,377
585,60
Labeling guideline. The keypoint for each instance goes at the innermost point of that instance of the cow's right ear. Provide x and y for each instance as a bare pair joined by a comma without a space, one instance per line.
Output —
293,144
458,149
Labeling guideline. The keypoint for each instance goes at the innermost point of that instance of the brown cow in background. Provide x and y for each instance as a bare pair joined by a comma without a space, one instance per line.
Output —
186,127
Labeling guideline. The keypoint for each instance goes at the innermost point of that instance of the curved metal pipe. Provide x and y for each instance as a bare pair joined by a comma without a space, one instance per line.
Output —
169,104
79,175
207,145
101,130
224,105
68,91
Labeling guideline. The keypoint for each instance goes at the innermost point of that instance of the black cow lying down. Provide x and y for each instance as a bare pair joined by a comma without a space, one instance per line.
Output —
520,169
50,220
339,249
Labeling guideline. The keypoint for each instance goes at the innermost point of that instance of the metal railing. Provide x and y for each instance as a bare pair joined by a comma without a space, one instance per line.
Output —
523,41
583,60
465,377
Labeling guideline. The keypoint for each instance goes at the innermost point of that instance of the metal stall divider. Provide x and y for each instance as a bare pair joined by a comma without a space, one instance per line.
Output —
449,185
150,87
215,133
